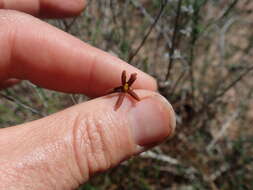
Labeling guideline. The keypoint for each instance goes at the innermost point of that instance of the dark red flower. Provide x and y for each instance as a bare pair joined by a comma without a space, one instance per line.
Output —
125,88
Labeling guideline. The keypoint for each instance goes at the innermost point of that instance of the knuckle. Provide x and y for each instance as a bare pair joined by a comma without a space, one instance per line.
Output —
101,141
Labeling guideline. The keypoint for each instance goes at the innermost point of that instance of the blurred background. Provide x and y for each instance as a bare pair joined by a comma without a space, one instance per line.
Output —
201,53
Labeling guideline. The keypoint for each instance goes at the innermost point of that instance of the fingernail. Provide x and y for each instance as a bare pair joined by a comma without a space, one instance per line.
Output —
152,120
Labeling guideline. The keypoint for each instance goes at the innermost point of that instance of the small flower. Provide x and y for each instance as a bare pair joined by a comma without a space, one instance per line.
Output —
125,88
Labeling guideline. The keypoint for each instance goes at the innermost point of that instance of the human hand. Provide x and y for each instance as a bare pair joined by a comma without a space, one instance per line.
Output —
63,150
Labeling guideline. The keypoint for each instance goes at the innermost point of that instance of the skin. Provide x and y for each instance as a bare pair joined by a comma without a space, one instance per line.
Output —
63,150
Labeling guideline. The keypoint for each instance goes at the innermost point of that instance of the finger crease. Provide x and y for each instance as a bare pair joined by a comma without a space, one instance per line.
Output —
76,127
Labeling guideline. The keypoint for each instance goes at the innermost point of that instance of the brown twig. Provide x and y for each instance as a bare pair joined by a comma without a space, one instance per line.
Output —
133,54
173,89
174,38
230,7
160,29
69,25
12,99
232,84
194,37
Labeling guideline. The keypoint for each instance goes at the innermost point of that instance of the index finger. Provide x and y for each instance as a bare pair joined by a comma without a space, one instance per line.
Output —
45,8
55,60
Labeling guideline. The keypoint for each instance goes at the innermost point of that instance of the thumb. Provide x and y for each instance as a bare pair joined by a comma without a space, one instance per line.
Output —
63,150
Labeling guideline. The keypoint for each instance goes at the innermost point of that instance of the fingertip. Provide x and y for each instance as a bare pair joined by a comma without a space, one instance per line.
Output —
46,8
152,119
59,9
154,86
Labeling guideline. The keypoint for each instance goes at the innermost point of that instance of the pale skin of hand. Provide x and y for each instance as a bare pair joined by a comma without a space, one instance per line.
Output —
63,150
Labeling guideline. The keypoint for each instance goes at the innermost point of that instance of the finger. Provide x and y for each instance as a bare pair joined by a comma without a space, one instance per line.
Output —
65,149
45,8
48,57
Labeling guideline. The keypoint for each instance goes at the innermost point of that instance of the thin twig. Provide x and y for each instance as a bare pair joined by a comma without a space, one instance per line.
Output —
218,95
173,89
114,15
12,99
69,25
222,41
40,92
73,99
174,38
223,130
224,14
224,168
132,55
160,30
194,37
160,157
230,7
